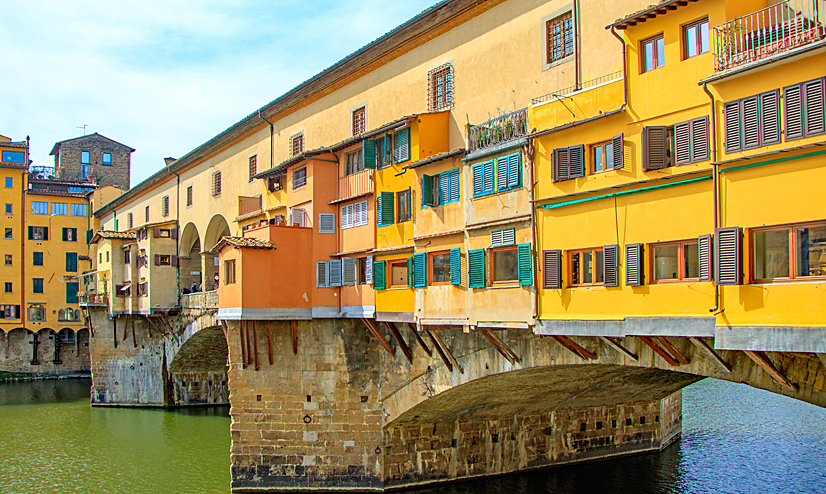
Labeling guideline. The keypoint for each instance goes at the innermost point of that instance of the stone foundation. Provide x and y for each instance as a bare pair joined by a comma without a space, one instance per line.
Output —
18,355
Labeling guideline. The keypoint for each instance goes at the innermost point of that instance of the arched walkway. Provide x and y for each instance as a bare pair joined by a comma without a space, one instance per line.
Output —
189,258
217,228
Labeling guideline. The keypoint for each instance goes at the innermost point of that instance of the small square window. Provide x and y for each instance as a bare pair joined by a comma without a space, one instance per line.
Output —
164,260
165,233
7,234
504,266
84,157
8,259
9,182
440,268
354,163
8,208
602,157
8,287
675,261
107,159
297,144
37,258
398,274
229,272
652,53
37,285
696,39
587,267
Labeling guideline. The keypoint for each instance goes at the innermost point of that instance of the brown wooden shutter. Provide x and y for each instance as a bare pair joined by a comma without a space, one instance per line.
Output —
157,259
576,160
793,111
654,147
704,242
733,126
814,98
174,232
634,264
728,256
156,232
769,117
561,167
751,123
619,155
552,269
174,261
682,142
611,265
699,140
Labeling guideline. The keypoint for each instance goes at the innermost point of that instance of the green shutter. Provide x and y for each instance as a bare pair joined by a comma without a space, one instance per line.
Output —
89,235
410,203
378,210
524,264
368,153
388,148
71,292
455,267
401,145
71,262
387,208
410,272
419,270
379,275
427,190
476,268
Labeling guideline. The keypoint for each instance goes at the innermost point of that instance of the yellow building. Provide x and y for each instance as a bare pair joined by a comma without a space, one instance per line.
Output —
14,164
683,200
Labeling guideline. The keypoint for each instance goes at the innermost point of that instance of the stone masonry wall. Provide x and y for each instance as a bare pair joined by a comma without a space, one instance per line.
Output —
67,166
16,352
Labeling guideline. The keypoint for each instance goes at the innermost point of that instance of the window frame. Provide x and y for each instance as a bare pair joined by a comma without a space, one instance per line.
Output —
165,206
8,260
35,282
793,250
681,278
8,234
359,120
253,166
189,196
655,52
492,270
404,206
361,270
87,156
40,205
103,159
548,59
216,183
229,272
42,311
445,88
569,264
296,184
8,287
352,165
698,40
296,144
395,262
431,279
608,165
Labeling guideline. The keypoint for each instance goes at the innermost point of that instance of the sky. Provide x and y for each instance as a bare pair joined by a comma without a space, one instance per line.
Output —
165,76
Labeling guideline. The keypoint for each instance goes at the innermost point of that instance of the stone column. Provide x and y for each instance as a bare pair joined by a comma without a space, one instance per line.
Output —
208,271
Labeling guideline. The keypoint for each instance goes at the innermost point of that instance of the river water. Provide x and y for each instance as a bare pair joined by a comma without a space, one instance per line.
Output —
735,440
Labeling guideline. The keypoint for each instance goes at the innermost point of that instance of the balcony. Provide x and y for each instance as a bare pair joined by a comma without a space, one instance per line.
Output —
93,299
247,205
357,184
498,130
768,32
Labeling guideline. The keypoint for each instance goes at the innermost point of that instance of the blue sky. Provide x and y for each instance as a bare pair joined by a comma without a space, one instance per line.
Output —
165,76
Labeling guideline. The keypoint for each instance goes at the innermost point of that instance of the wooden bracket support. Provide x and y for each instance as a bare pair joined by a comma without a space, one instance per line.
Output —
403,344
763,361
125,325
501,346
255,343
672,350
703,346
243,344
134,338
822,357
419,339
618,347
659,351
574,348
375,330
444,351
161,329
294,336
269,342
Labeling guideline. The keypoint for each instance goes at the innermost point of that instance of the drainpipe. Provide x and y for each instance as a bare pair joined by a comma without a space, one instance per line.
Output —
338,231
178,226
624,69
272,129
528,148
577,51
715,186
23,232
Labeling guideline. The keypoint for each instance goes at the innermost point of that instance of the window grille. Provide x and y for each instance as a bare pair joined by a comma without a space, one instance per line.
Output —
560,42
440,88
216,184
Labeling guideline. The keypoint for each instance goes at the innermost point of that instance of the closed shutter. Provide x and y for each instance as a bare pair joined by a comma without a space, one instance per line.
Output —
174,260
31,233
610,265
157,259
576,161
156,233
378,210
751,122
174,232
368,153
552,269
814,94
634,264
379,275
514,170
401,145
71,262
501,173
65,234
769,117
561,169
728,257
455,267
334,273
524,264
682,142
477,175
699,140
793,111
89,236
704,249
326,223
427,191
349,271
368,271
321,269
71,292
443,183
488,177
506,236
619,155
410,272
419,270
346,216
654,147
387,209
45,233
453,186
476,268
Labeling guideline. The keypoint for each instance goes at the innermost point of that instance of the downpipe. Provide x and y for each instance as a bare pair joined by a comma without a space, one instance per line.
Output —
715,188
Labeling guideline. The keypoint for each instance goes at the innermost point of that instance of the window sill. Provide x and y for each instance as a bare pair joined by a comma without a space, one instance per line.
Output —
497,193
403,287
501,286
555,63
817,281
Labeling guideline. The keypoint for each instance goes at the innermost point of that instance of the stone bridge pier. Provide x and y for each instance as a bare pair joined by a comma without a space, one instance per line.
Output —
359,405
162,360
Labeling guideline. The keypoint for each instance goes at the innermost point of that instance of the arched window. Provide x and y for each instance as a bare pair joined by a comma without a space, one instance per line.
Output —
61,315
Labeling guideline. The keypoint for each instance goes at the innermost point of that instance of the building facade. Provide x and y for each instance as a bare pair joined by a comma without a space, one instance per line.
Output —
93,158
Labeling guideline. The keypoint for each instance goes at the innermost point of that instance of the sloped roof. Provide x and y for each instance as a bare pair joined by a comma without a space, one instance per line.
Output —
14,144
242,243
108,234
648,13
57,144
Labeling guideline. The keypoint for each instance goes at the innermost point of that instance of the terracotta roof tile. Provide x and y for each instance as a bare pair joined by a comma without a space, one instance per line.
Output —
107,234
242,243
18,144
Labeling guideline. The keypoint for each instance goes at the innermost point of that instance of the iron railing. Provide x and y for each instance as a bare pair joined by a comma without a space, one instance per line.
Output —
357,184
498,130
248,205
613,76
41,172
90,298
768,32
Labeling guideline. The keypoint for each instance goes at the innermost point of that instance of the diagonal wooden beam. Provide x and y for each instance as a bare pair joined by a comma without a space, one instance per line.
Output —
435,337
821,356
484,332
703,346
659,351
373,329
440,351
134,338
243,344
672,350
419,339
763,361
403,344
504,345
125,326
574,347
269,342
255,344
618,347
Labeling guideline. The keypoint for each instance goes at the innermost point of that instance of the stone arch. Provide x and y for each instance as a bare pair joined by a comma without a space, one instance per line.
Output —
218,227
198,371
16,354
43,343
189,255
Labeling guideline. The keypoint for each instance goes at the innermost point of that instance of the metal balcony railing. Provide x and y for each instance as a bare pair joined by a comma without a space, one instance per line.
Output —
613,76
768,32
357,184
248,205
89,298
498,130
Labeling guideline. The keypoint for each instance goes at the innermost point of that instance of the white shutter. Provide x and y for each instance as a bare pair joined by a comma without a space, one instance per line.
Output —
368,275
349,271
506,236
321,274
326,223
297,217
334,273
